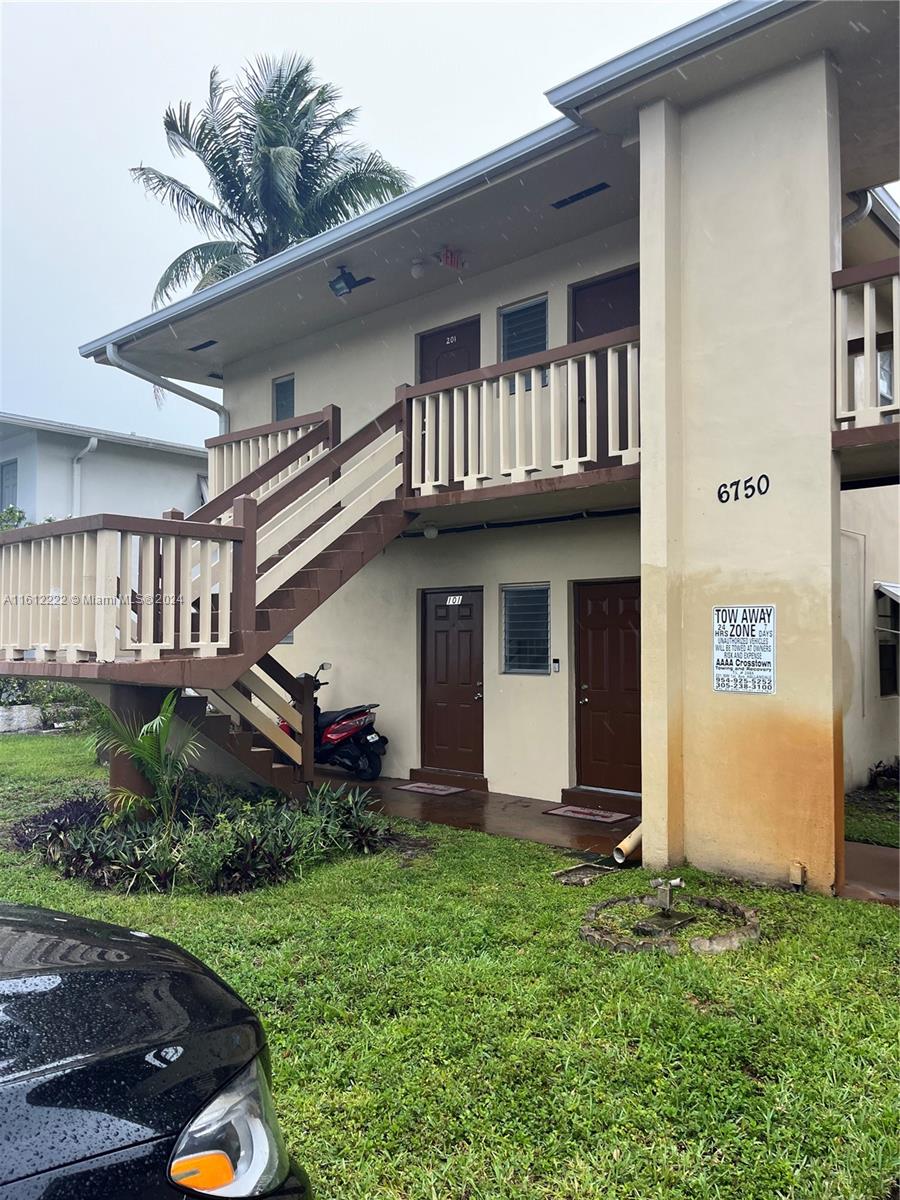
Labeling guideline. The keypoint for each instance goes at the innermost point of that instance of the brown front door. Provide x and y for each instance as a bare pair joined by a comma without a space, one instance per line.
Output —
606,305
452,673
597,308
450,350
608,684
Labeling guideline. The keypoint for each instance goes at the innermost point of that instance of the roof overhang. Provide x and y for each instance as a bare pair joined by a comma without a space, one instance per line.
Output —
345,237
482,210
496,211
733,45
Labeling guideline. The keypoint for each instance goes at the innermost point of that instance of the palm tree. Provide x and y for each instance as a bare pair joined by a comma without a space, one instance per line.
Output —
272,143
161,751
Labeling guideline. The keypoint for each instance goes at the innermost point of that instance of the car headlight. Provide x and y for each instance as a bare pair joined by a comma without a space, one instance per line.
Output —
234,1146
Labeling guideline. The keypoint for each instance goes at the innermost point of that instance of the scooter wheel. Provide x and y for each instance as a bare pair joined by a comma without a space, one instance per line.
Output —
369,766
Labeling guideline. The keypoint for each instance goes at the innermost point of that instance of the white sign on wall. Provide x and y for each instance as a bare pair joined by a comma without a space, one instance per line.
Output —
744,648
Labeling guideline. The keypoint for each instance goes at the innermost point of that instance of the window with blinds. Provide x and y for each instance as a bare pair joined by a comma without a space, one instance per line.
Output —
526,629
283,398
524,329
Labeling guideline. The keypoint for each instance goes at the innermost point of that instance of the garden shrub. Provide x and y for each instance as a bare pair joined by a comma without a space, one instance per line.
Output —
60,703
223,838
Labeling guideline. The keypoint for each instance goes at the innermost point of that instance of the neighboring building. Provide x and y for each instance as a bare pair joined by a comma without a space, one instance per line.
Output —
870,624
51,470
547,457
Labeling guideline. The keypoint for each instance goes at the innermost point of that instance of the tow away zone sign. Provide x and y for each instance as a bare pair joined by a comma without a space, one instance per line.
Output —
744,648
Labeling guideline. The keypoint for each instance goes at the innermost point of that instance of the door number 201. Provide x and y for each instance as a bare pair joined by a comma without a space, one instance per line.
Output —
745,489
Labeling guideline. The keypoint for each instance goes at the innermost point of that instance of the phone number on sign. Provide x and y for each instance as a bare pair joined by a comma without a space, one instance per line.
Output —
729,683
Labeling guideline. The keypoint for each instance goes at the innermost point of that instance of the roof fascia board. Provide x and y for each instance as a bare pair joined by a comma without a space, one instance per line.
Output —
38,425
886,211
432,195
673,47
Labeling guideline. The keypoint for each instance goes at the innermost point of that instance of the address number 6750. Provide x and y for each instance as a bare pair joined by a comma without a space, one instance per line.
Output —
745,489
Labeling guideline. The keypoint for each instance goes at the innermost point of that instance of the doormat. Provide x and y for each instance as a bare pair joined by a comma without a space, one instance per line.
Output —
429,789
586,814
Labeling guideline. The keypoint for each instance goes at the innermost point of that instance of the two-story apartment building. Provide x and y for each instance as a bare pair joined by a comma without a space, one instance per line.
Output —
547,455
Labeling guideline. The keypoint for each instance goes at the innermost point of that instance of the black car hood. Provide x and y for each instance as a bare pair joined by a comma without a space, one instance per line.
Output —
108,1037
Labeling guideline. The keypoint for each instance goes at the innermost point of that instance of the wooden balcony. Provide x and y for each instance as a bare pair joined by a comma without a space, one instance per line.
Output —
866,380
556,414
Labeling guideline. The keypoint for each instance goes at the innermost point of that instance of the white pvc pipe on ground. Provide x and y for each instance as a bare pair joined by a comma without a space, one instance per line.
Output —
629,845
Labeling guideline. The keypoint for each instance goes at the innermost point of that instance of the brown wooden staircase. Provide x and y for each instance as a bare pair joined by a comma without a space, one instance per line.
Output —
241,573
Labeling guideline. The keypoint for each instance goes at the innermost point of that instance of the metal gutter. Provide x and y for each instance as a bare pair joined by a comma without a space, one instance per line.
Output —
507,158
886,210
672,47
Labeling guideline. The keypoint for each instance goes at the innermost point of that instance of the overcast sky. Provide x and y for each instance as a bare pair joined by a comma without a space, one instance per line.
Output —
83,94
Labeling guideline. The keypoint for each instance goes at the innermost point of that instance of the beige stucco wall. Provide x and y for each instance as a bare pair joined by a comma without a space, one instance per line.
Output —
737,372
870,550
369,631
358,364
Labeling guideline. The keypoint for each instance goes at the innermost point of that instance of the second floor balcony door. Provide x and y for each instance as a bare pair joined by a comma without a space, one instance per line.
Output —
450,350
600,307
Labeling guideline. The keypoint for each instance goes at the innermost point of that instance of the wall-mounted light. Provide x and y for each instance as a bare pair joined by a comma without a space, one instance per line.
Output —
430,532
417,268
345,282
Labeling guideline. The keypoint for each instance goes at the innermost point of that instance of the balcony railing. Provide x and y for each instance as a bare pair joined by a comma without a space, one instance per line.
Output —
560,411
234,456
866,334
107,588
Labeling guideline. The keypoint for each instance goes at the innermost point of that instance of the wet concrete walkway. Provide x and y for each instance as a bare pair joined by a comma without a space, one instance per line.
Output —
507,816
871,873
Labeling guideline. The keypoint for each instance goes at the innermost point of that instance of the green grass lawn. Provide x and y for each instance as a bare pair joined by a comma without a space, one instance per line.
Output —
439,1032
872,817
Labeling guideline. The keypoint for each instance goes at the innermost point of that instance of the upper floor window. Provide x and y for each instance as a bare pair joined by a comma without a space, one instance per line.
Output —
283,398
523,329
9,482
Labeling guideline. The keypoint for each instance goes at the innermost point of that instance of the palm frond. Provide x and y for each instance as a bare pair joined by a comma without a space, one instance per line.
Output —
224,268
195,263
189,205
358,183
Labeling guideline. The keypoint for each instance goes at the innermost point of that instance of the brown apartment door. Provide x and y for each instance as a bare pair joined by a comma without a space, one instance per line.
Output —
450,350
608,685
597,308
606,305
452,674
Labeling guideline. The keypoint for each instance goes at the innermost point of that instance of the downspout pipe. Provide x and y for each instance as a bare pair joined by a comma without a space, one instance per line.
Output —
177,389
629,845
863,208
88,448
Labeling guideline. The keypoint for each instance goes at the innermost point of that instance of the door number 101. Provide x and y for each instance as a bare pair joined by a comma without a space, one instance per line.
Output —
454,599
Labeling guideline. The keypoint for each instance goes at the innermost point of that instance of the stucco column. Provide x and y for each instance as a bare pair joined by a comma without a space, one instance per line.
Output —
740,231
661,486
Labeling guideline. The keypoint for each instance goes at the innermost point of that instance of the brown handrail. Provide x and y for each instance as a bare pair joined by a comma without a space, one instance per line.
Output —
867,273
325,465
320,435
240,435
526,363
160,526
